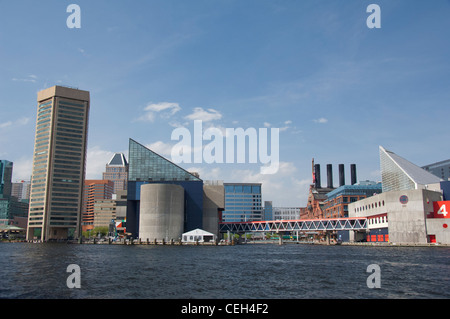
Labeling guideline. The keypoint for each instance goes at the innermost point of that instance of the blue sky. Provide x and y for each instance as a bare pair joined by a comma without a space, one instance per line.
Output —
335,88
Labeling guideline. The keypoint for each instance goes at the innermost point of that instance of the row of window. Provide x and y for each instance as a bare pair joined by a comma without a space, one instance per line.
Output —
246,189
370,206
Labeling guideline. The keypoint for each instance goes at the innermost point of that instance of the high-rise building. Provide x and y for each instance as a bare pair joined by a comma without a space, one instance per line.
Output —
286,213
268,210
6,168
117,171
58,171
21,190
242,202
104,212
398,173
94,190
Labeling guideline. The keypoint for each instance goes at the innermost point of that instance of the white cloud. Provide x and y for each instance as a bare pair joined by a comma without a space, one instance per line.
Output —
22,169
321,120
204,115
19,122
5,124
267,124
283,188
165,109
158,107
29,78
96,162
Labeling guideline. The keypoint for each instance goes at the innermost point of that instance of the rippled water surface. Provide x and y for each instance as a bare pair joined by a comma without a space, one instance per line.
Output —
242,271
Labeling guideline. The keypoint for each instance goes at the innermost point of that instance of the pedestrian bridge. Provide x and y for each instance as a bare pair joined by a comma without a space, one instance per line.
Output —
301,225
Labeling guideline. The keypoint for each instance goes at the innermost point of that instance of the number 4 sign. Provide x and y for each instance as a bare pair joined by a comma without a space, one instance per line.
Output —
441,209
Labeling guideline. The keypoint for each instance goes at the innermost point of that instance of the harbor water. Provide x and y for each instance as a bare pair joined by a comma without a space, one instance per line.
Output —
252,271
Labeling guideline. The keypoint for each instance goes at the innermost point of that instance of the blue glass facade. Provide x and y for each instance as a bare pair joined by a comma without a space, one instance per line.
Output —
242,202
146,166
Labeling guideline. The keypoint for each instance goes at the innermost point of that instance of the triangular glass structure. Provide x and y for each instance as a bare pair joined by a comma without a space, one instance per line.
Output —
399,174
146,165
118,159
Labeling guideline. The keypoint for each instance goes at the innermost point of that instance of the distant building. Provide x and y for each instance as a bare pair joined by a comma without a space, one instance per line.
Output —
242,202
117,171
104,212
440,169
12,210
286,213
316,202
59,163
21,190
94,190
268,210
318,205
6,169
336,204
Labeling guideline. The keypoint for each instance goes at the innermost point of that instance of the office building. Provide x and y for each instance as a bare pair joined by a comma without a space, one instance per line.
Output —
268,210
336,204
21,190
6,169
243,202
286,213
117,171
13,211
163,219
440,169
94,190
58,170
104,211
398,173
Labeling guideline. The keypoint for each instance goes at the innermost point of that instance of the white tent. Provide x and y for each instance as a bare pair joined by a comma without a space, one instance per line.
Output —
198,235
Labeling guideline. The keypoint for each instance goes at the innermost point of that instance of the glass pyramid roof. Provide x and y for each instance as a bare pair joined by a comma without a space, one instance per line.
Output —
118,159
146,165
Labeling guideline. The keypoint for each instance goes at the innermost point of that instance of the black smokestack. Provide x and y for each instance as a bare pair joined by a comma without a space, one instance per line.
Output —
329,176
353,173
317,174
341,175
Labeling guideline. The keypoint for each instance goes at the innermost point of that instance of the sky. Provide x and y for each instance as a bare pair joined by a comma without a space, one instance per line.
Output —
334,87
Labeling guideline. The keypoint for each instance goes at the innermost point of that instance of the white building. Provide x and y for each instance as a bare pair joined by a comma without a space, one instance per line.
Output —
411,209
286,213
198,235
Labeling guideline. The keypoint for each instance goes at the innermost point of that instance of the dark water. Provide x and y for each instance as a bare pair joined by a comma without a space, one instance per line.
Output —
265,271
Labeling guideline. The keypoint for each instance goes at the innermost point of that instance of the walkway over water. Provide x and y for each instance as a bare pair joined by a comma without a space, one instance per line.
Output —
303,225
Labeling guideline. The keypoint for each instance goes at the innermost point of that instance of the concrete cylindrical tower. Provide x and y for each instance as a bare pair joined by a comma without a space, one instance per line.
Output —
161,212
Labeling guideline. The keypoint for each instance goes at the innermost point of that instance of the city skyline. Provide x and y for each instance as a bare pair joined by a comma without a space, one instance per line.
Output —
335,88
